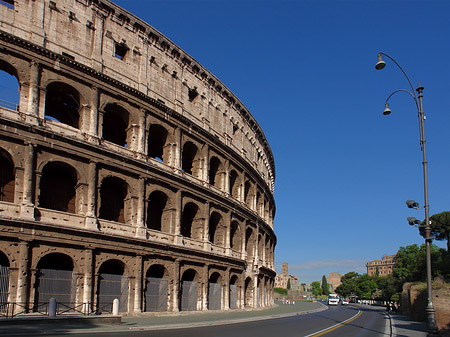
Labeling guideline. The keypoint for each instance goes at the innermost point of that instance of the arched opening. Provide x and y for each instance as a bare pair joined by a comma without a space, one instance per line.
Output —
189,156
214,292
190,225
248,293
7,177
115,124
156,205
62,103
233,292
234,185
259,204
4,278
157,138
156,289
112,199
112,284
57,187
189,291
249,243
247,195
235,236
9,86
55,279
214,167
216,230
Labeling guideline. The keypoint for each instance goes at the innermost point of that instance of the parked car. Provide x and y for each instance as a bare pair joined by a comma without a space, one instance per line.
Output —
344,301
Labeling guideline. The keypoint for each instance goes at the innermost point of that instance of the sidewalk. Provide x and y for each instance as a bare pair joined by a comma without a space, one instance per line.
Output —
402,326
42,325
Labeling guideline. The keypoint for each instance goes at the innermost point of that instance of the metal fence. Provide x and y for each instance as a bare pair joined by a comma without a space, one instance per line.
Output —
156,294
189,296
215,296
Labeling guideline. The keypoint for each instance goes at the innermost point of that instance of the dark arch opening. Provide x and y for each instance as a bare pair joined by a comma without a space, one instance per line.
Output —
7,177
189,212
215,235
234,186
112,199
115,124
214,165
4,261
188,156
234,236
156,205
57,187
62,103
156,271
157,138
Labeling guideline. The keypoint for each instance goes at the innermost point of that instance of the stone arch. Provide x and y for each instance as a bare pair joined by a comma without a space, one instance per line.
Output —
156,288
113,192
57,187
112,283
55,278
248,293
157,203
235,236
259,204
190,159
250,243
215,172
157,143
7,177
4,277
189,290
9,90
233,292
234,184
216,229
62,103
215,291
248,194
191,224
115,124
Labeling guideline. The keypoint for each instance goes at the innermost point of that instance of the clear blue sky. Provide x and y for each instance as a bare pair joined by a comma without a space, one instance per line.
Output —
305,70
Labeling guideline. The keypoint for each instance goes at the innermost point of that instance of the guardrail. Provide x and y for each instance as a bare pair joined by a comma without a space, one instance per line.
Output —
12,309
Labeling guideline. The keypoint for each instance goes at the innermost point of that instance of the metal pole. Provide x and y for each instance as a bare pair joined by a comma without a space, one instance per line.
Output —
431,319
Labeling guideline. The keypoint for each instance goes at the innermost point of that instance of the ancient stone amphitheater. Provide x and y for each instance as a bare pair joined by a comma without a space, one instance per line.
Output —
127,170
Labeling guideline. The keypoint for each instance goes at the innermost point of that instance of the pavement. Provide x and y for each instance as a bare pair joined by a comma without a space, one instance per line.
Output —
400,326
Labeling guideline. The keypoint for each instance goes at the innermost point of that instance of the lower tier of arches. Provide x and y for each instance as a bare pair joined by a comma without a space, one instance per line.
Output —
34,270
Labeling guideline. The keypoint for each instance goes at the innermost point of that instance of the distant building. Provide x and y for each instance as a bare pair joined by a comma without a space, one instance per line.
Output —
334,280
281,280
382,267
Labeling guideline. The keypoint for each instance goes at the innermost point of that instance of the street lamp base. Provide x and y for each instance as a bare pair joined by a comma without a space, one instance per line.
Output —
431,320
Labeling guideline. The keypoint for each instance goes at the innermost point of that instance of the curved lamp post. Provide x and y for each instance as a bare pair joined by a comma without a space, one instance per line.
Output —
431,319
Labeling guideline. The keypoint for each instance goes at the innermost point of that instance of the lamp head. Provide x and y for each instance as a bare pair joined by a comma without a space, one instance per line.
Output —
412,204
386,111
380,64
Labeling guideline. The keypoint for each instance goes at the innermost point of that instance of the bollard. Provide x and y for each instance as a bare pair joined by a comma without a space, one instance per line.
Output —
115,310
52,307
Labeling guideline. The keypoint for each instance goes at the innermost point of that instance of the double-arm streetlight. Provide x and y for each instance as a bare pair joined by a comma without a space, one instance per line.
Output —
431,319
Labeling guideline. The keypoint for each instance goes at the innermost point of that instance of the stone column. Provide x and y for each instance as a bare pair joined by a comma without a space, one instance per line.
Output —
176,149
176,286
142,144
93,120
23,276
226,287
227,233
255,291
33,90
205,285
91,219
178,214
206,242
138,285
88,269
27,207
140,228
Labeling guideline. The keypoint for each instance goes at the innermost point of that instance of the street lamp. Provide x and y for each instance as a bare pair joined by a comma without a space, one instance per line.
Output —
431,319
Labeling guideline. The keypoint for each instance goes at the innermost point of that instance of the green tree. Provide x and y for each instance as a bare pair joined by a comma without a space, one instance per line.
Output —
440,227
316,289
288,284
325,286
365,286
348,285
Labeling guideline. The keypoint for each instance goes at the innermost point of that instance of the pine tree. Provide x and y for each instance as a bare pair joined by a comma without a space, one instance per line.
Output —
288,284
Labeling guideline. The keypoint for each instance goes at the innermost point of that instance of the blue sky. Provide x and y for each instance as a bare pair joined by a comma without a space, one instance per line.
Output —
305,70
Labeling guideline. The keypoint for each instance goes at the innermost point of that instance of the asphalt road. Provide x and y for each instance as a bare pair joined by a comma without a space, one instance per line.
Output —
348,321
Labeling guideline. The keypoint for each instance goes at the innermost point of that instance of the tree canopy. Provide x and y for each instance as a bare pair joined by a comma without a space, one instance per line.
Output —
325,286
440,227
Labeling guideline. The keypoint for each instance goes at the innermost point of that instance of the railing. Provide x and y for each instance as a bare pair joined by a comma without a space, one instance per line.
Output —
12,309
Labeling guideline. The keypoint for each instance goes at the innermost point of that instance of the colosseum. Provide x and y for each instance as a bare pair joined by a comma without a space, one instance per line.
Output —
127,170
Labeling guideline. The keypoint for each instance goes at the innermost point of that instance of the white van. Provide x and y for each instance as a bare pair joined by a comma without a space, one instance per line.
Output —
333,299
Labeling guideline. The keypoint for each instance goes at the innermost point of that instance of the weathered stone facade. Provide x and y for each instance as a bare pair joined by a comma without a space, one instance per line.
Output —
127,169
